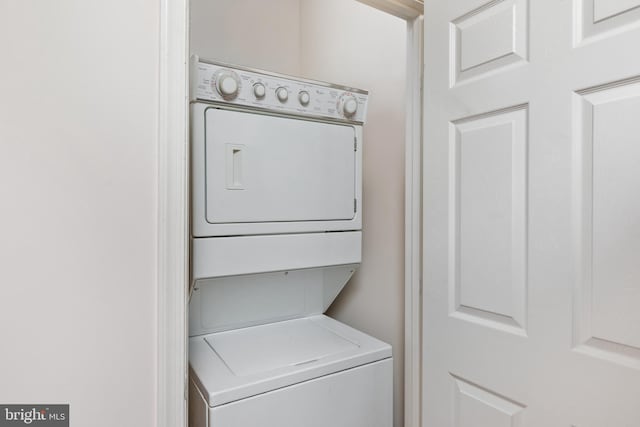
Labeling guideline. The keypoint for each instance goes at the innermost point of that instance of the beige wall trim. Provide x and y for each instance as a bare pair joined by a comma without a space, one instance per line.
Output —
405,9
173,261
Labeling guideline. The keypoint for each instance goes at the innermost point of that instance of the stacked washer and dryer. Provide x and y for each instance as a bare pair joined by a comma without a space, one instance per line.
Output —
276,234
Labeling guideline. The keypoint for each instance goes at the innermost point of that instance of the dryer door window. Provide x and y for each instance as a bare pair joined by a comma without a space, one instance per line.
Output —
264,168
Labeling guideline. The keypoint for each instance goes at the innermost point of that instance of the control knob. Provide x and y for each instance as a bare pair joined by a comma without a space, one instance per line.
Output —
259,90
283,94
227,84
304,98
349,105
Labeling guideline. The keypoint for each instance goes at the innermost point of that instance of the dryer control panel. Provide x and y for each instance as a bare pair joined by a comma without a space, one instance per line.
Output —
275,92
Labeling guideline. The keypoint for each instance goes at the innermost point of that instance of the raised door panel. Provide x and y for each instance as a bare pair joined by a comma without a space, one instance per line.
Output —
596,19
488,185
475,406
488,38
609,291
603,9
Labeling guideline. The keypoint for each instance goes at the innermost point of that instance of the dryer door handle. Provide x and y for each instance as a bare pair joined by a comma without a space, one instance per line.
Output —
234,154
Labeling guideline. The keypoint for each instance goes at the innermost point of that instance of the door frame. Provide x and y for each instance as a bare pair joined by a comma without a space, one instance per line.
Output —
173,215
413,227
173,209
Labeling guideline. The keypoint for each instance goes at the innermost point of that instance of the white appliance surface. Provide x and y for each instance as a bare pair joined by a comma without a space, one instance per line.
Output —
234,302
279,345
276,226
232,365
232,256
259,173
265,168
358,397
271,91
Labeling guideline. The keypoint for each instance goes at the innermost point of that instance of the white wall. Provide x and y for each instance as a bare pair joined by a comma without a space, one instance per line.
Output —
78,107
256,33
351,43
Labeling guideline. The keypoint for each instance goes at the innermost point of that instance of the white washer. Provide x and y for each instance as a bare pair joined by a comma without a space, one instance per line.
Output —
276,234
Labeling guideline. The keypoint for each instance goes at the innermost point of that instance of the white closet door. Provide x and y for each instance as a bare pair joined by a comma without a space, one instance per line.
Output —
531,213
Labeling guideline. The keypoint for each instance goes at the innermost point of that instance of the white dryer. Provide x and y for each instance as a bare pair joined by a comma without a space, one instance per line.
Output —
276,234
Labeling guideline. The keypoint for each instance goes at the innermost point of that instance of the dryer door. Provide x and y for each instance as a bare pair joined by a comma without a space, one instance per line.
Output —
272,169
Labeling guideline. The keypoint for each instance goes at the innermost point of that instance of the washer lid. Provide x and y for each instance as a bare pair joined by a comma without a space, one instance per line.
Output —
240,363
278,345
